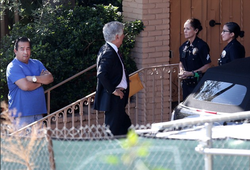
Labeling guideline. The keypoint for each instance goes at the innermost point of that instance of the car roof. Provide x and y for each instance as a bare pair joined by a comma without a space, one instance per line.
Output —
239,67
238,72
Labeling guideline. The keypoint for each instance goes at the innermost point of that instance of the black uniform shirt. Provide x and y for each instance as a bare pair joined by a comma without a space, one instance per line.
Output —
194,56
232,51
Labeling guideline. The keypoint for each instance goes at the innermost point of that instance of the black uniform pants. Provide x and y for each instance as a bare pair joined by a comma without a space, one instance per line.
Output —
188,87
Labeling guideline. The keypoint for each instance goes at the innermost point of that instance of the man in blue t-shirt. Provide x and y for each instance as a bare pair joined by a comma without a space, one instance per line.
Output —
25,77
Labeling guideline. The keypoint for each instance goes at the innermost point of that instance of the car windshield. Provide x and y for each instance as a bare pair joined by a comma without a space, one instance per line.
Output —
221,92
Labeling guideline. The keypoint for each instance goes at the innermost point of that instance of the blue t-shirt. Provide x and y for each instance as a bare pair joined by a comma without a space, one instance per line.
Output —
26,103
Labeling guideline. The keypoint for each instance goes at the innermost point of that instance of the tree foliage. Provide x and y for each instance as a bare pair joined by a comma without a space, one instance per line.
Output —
67,41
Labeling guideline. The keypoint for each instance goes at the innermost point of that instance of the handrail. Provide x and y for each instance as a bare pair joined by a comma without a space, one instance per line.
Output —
63,82
81,112
87,69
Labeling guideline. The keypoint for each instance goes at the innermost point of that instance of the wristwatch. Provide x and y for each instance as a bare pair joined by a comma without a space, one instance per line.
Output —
34,79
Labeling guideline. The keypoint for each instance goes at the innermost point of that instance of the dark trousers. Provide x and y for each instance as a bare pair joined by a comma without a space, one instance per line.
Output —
116,118
187,89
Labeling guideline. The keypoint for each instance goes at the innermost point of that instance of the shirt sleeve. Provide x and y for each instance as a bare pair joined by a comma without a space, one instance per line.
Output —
204,54
14,72
40,66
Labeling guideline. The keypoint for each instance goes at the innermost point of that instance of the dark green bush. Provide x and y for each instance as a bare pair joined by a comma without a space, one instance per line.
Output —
67,41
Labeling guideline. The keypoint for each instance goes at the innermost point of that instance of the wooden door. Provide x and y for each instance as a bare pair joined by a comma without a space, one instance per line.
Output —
221,11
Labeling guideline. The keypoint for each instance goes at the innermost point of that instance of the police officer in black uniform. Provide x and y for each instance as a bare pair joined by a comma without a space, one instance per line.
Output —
234,49
194,57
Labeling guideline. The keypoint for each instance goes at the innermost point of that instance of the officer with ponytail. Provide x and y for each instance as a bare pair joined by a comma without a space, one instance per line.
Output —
194,57
234,49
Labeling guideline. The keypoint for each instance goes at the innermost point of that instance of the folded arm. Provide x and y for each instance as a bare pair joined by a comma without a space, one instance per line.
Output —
45,77
27,84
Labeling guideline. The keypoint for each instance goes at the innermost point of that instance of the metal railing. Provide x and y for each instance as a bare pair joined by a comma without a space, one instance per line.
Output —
48,91
150,105
205,146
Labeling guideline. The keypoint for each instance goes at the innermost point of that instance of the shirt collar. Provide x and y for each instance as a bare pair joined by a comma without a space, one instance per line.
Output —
113,46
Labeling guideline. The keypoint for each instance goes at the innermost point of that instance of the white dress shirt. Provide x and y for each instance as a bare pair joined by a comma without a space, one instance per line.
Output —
123,84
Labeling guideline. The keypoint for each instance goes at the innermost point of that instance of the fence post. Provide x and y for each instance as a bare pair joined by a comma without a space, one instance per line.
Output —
208,157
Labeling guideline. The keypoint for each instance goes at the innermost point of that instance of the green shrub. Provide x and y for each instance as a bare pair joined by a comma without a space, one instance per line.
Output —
67,41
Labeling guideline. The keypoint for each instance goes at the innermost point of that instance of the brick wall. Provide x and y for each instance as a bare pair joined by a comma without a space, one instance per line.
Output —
152,46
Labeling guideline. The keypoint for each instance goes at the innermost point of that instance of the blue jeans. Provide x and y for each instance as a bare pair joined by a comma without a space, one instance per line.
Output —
22,121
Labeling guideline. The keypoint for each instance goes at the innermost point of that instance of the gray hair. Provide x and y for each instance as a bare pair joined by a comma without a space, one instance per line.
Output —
111,29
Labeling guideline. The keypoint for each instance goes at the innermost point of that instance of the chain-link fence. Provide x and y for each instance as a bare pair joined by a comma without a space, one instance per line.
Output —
170,147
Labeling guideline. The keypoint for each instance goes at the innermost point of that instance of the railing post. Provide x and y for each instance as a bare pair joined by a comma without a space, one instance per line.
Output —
89,114
48,103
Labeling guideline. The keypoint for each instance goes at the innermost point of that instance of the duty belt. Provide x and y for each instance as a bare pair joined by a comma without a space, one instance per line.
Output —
190,81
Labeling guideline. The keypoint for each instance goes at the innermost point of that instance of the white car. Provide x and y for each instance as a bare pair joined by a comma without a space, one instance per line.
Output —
222,90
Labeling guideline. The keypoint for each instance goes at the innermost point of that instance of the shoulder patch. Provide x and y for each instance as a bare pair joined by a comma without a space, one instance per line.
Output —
223,54
208,56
